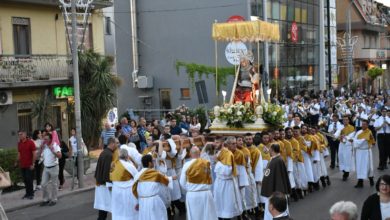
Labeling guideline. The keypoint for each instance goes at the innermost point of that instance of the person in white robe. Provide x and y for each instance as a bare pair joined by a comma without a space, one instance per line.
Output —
123,203
305,146
299,169
362,144
226,193
345,148
195,180
150,188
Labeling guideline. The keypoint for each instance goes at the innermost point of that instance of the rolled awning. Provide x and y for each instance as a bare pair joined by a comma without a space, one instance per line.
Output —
251,31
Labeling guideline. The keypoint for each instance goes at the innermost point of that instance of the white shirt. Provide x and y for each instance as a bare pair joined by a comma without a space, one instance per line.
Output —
385,210
73,143
379,122
336,131
315,109
289,124
359,117
49,157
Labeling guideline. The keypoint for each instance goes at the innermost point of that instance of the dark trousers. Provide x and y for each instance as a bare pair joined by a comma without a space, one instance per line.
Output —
28,178
384,148
334,151
102,215
38,172
61,171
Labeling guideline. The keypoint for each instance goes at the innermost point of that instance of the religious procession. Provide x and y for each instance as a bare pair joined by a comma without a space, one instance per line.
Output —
249,161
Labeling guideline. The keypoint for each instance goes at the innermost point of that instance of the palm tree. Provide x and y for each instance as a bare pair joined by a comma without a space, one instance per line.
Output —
97,93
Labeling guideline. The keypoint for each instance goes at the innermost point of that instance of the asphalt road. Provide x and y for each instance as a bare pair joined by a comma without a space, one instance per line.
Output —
313,207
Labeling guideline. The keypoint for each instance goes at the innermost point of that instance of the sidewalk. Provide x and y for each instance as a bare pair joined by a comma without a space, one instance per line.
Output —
13,201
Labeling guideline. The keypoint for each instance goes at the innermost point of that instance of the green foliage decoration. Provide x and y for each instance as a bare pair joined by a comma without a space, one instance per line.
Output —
194,68
7,161
374,72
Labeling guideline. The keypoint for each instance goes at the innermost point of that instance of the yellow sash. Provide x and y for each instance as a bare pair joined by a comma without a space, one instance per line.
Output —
347,130
367,135
150,175
296,150
264,155
199,172
255,155
288,149
239,157
226,158
119,172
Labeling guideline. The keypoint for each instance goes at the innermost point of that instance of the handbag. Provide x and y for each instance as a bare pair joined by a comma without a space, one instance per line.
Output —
5,179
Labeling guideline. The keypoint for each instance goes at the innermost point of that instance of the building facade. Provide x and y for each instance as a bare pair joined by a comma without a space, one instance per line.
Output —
370,25
35,67
181,30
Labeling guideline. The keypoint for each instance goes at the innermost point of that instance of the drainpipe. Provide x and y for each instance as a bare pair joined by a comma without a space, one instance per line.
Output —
134,43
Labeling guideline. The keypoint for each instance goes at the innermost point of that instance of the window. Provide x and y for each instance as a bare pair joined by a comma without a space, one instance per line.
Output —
108,25
22,38
88,39
185,93
275,10
165,99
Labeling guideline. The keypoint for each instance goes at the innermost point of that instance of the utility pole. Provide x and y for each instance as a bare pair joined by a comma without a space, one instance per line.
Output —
76,85
322,82
266,60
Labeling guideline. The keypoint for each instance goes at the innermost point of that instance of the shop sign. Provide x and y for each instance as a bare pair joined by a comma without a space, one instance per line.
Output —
294,32
234,50
61,92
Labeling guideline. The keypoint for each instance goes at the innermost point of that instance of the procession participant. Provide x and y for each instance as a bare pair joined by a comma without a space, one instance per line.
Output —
283,152
196,182
305,147
372,117
170,161
122,175
249,193
345,148
257,171
289,122
315,158
297,121
242,175
360,115
278,206
362,144
289,162
226,193
150,188
314,111
334,130
323,154
382,126
275,178
103,182
265,155
298,161
131,148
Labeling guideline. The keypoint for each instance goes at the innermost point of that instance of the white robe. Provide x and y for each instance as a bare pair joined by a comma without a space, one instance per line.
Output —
152,199
316,166
102,198
262,199
226,193
250,198
308,167
123,201
243,181
258,174
345,153
171,171
300,175
199,200
290,170
363,156
324,170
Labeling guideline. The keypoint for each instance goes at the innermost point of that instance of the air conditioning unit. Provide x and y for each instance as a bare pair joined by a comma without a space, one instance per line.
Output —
5,97
145,82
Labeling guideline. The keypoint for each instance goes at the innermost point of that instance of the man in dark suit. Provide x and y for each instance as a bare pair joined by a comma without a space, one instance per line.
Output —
275,178
278,206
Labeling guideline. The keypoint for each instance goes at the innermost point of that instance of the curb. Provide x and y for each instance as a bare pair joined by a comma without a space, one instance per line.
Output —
89,188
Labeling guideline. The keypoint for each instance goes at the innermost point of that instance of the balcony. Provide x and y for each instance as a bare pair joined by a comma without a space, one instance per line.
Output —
371,54
98,4
34,70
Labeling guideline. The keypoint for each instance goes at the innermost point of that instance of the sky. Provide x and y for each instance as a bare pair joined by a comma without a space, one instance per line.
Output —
385,2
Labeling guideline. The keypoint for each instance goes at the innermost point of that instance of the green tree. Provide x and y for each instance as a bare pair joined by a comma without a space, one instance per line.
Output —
97,91
373,73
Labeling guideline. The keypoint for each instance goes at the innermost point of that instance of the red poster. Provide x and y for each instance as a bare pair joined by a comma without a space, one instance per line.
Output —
294,32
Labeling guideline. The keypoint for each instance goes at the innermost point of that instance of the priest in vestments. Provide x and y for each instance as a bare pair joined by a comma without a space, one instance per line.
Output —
345,148
102,175
123,203
226,193
362,144
150,189
196,181
275,178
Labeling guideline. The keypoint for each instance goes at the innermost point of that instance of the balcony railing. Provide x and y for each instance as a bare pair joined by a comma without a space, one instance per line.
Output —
372,54
16,68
